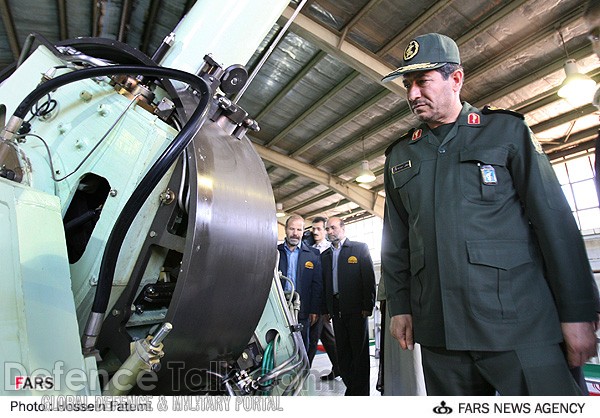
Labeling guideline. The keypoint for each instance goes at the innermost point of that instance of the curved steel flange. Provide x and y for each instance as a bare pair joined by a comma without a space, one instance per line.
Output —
229,257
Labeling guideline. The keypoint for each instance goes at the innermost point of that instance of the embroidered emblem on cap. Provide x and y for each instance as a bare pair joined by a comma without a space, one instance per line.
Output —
417,134
309,265
352,260
473,119
411,50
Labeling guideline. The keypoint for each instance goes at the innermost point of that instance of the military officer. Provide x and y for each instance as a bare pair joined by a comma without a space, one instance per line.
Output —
482,260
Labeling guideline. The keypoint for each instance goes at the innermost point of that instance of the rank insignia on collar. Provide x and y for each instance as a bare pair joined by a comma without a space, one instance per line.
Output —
473,119
417,134
401,167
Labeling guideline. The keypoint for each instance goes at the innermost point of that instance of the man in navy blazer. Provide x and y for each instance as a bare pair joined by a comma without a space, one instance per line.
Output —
301,264
349,280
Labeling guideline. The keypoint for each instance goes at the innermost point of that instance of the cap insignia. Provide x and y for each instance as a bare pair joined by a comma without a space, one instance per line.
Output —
411,50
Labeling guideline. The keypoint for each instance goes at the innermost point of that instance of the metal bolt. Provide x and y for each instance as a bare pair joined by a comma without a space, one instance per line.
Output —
113,193
167,197
152,234
103,110
85,96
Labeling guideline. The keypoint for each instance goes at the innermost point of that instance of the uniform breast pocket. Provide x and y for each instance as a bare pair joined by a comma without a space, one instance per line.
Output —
406,180
484,176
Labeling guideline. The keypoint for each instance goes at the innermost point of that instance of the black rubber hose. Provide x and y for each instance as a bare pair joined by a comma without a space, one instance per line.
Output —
139,196
193,80
154,174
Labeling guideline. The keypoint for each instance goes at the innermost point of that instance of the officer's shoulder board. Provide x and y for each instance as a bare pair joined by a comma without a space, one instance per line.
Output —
402,138
488,110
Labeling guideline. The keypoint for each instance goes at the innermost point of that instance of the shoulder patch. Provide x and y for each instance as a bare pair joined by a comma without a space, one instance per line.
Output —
491,109
402,138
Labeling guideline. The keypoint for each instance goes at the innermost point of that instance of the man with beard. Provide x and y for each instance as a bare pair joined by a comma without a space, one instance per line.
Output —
302,265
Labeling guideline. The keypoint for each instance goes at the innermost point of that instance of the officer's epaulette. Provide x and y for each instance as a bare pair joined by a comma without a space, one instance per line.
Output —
402,138
491,109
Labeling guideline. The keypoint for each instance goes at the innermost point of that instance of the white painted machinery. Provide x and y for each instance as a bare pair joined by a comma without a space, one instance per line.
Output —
138,222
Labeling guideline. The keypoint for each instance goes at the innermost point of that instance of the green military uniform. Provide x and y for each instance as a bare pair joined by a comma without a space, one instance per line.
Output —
480,246
481,263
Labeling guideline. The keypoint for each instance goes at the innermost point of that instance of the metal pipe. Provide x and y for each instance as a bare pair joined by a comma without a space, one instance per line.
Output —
274,44
145,356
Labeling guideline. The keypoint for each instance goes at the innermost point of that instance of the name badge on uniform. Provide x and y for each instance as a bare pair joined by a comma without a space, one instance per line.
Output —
401,167
488,174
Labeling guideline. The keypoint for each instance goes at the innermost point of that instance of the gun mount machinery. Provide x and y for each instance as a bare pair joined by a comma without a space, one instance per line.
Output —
135,213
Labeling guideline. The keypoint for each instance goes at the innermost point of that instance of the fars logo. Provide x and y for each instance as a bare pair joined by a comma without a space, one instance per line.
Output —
34,382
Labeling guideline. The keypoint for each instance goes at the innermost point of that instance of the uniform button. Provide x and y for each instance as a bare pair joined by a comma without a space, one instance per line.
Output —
442,150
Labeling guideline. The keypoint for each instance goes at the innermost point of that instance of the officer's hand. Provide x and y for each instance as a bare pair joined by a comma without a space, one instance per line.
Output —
313,318
402,330
580,341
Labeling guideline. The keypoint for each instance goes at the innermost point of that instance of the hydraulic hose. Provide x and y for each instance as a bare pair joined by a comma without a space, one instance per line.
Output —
193,80
130,210
141,193
148,182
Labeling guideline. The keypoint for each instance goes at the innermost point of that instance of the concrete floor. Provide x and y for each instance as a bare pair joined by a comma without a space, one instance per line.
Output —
322,366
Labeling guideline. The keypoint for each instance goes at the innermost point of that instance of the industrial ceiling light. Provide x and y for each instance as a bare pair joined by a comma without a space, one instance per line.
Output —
576,87
365,175
280,212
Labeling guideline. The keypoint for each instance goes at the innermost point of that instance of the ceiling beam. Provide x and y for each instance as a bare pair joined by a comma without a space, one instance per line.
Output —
347,80
547,97
301,191
360,109
321,211
364,198
362,61
525,44
149,24
351,142
571,141
96,13
414,25
491,20
564,118
365,10
9,27
285,181
291,84
187,7
62,19
125,20
314,199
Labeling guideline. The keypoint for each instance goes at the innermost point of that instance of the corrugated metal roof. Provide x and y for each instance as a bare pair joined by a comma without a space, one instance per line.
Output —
323,104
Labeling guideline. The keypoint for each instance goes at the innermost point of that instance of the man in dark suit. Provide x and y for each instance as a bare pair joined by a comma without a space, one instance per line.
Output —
322,329
349,281
302,265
